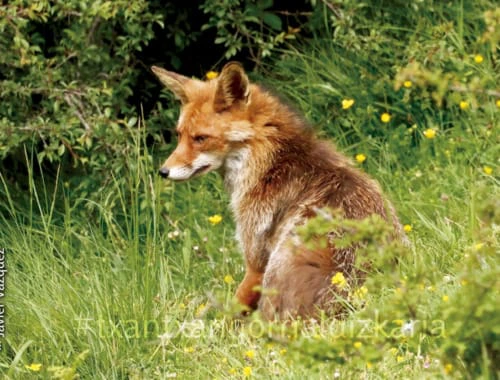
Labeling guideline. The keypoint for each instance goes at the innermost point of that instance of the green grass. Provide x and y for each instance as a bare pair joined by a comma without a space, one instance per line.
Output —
134,282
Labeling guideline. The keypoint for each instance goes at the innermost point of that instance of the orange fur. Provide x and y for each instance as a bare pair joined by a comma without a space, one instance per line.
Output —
277,173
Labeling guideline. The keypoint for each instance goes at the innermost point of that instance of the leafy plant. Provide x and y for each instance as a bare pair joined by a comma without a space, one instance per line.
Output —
246,24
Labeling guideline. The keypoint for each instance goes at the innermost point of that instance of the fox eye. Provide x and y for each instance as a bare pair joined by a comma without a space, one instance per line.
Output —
200,138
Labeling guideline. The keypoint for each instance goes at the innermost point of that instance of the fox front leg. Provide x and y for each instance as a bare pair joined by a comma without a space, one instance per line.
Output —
248,293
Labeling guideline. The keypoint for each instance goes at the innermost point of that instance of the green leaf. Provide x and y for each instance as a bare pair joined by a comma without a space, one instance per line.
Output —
265,4
132,121
61,150
271,20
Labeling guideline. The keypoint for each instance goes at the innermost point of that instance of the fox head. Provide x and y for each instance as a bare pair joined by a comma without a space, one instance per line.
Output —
214,120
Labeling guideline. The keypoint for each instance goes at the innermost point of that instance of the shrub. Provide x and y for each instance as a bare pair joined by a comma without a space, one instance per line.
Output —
68,68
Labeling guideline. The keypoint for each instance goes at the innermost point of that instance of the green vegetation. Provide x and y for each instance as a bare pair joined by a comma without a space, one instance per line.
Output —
114,273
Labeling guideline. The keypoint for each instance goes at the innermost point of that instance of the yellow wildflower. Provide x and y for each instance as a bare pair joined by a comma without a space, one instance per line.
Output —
487,170
283,351
407,83
361,292
247,371
407,228
189,350
430,133
228,279
211,75
250,354
498,103
368,365
398,322
478,246
200,309
360,157
464,105
35,367
448,368
478,58
394,351
215,219
339,280
347,103
400,358
358,345
446,298
385,117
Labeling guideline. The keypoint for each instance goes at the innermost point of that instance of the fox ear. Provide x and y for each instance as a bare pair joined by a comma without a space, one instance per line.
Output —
232,86
173,81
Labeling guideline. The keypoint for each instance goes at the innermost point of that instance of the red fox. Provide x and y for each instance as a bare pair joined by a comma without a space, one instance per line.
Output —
278,174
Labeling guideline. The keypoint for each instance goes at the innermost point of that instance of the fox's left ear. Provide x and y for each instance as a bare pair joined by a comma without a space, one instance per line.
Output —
173,81
232,87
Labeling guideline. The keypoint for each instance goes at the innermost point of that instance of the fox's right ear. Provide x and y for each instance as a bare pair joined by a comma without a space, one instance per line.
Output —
173,81
232,87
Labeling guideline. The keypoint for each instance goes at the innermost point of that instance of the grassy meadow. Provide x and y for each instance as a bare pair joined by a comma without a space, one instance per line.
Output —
136,281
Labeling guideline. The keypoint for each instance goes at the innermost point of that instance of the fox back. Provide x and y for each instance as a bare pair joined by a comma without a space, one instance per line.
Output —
278,174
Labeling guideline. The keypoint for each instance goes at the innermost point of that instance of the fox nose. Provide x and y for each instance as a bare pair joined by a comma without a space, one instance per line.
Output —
163,172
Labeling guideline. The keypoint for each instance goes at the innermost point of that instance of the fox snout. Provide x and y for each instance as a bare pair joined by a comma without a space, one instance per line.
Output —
163,172
203,163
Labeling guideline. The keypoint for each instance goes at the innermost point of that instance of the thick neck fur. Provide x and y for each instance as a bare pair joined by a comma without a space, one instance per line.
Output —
248,163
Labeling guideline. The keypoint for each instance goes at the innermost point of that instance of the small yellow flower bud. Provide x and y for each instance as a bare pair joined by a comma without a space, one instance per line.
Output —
360,157
35,367
448,368
250,354
347,103
430,133
247,371
215,219
339,280
385,117
211,75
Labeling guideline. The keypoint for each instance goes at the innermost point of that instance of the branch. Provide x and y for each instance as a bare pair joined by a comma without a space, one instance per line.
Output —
78,114
95,24
70,149
335,9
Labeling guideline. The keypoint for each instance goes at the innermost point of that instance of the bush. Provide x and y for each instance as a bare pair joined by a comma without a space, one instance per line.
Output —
68,68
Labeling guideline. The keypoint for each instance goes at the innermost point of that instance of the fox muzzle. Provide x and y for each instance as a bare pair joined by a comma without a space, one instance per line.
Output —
163,172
